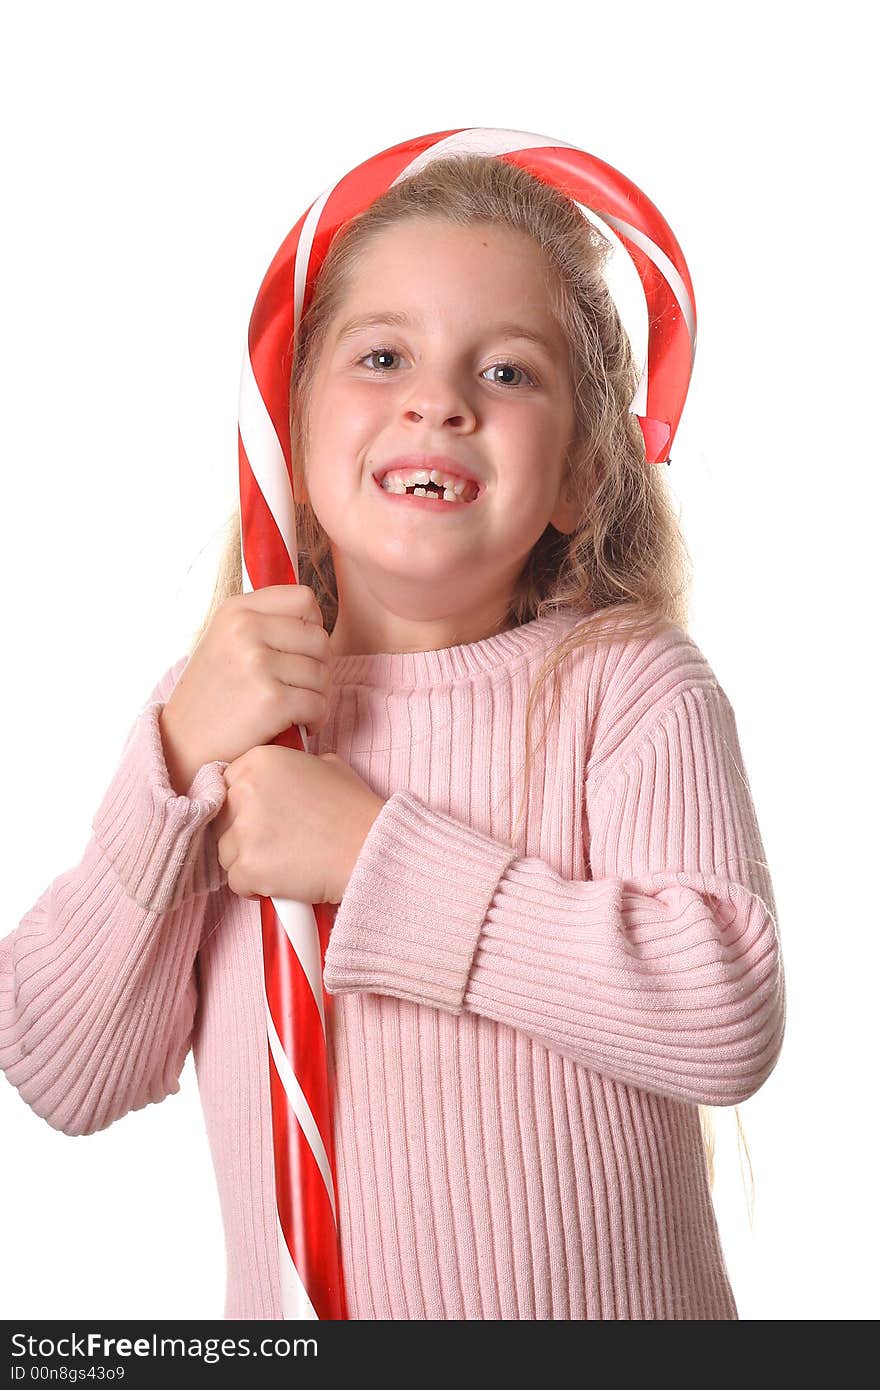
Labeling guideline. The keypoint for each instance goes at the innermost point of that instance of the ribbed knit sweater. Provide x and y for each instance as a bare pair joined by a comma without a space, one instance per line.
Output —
523,1021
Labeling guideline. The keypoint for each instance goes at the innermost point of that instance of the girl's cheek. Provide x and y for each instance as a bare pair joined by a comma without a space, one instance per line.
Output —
353,399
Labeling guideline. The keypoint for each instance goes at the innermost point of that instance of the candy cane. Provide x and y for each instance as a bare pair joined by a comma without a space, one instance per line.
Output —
294,935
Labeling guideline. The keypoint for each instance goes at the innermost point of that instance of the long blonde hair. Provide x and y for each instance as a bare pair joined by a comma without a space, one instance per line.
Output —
625,570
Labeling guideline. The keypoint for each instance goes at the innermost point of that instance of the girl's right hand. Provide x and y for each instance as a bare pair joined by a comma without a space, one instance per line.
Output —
263,664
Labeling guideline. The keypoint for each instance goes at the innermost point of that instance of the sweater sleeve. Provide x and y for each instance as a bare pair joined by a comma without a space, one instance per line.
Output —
662,970
98,984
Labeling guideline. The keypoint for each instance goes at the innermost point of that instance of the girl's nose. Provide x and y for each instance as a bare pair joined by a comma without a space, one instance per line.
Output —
436,417
438,405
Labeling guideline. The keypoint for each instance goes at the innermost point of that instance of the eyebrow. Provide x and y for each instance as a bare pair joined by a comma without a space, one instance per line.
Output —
396,318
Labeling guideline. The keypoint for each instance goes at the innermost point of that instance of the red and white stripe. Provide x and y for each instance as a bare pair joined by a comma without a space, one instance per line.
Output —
295,935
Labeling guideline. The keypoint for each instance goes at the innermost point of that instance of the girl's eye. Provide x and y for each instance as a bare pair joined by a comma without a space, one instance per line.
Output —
507,366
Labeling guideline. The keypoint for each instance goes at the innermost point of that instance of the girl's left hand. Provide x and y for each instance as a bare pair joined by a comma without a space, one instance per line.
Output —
293,824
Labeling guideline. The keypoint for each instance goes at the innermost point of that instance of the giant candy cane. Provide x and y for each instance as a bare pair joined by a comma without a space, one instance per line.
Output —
295,935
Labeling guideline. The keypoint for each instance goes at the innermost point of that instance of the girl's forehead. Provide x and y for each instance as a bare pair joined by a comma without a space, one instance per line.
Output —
444,281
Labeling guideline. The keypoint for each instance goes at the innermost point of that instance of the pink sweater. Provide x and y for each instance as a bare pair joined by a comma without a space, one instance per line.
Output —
521,1029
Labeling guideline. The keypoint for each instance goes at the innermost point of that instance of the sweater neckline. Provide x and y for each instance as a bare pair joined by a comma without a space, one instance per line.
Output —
417,670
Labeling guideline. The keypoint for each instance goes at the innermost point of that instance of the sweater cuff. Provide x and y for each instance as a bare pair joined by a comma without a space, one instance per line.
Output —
413,911
149,833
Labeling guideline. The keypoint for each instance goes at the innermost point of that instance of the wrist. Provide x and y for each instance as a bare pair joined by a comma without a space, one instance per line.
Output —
179,764
371,812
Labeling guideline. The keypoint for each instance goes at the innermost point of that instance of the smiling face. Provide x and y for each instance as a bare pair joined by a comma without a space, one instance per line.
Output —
454,379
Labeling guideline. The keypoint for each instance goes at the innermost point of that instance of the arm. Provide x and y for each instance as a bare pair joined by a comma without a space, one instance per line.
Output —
98,987
662,971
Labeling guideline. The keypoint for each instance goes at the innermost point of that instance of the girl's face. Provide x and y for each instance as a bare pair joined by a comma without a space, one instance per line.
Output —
456,379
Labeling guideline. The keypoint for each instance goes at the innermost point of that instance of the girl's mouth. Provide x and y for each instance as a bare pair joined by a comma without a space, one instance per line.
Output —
429,503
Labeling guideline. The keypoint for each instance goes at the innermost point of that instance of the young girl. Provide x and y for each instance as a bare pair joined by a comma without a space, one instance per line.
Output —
530,1010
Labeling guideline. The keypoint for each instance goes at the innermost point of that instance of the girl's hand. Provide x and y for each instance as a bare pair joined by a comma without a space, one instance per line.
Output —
293,824
262,665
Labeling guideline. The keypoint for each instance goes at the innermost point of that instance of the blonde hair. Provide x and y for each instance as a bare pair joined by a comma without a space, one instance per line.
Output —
625,570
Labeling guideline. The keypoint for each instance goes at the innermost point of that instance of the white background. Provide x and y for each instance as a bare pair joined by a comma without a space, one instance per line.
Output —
153,161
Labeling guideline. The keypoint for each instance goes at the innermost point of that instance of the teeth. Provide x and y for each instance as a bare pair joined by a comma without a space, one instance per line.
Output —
453,488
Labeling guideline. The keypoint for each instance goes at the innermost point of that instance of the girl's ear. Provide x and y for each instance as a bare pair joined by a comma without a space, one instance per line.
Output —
566,513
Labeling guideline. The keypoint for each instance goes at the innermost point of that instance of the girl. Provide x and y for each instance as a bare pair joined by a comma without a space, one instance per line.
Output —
530,1010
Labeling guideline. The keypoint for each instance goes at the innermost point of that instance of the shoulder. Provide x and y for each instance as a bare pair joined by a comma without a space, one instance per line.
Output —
632,682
